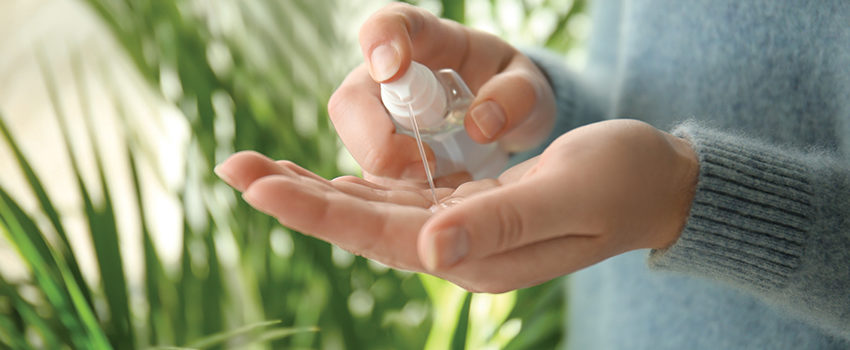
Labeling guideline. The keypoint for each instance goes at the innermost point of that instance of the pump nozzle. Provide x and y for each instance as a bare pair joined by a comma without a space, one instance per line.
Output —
419,89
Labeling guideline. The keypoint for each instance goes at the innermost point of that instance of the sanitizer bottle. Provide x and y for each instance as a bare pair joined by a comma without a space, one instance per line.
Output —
440,100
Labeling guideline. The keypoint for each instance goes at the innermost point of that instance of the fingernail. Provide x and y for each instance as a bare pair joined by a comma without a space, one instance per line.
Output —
222,174
251,198
489,118
447,247
384,62
258,203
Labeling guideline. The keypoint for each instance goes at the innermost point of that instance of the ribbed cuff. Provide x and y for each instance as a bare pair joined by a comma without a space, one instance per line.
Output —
750,215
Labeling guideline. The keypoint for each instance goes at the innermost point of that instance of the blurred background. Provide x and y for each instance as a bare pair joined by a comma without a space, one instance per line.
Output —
115,233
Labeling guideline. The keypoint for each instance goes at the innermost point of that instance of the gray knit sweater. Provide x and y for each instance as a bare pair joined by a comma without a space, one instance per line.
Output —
762,90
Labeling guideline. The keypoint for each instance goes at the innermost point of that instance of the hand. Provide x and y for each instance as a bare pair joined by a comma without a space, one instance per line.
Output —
597,191
514,104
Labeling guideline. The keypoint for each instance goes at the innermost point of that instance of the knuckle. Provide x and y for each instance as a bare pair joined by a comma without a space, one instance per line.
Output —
388,14
336,104
377,161
510,227
287,164
528,90
288,167
394,6
248,157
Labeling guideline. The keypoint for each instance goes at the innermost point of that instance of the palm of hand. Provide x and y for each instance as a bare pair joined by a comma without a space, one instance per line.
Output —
595,192
363,217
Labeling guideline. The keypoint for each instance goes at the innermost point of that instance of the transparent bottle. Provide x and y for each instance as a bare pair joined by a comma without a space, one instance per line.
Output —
440,101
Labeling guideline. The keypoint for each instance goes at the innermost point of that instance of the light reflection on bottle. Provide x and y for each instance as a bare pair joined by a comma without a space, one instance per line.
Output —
440,100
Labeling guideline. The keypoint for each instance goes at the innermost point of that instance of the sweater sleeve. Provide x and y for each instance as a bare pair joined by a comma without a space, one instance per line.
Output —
770,220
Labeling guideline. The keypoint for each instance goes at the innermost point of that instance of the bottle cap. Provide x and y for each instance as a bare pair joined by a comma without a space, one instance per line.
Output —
419,89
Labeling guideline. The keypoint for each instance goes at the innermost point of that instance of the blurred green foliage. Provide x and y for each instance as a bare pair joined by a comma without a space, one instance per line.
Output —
246,75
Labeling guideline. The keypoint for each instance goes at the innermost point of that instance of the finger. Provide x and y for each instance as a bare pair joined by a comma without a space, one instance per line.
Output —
417,198
515,106
368,133
380,231
360,181
453,180
297,169
468,189
519,171
394,183
528,265
243,168
502,219
447,181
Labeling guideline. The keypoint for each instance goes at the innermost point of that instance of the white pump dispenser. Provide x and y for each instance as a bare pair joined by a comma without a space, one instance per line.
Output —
440,100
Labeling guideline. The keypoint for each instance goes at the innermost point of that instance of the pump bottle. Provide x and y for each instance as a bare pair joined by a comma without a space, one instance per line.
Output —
440,100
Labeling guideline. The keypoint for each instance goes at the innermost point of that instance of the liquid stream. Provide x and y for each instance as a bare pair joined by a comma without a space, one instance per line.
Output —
422,154
437,204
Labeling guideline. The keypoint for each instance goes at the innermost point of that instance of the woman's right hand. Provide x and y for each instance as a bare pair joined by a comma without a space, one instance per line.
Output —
514,102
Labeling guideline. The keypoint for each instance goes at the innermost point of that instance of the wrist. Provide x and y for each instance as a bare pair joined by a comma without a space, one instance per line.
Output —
683,189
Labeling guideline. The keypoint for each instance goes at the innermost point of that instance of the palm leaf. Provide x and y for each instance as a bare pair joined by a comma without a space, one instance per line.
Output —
59,287
101,221
47,208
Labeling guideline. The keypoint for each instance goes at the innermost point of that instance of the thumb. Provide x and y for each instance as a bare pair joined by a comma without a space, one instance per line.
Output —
385,40
389,36
497,221
516,106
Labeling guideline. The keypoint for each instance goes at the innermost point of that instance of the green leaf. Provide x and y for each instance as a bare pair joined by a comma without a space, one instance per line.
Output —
11,330
29,315
542,310
101,220
448,300
560,39
47,208
75,314
454,10
459,337
11,336
247,330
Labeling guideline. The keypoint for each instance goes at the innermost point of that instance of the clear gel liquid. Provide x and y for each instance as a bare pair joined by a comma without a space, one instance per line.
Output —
444,204
422,154
437,204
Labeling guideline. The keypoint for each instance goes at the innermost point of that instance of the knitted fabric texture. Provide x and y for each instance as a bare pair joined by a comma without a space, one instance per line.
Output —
762,90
